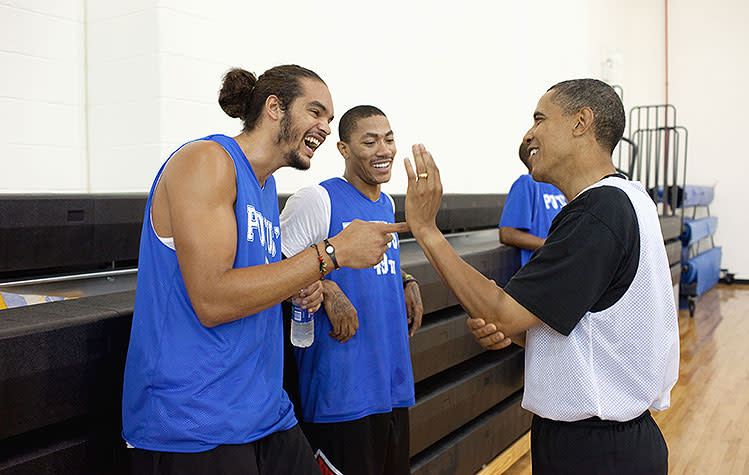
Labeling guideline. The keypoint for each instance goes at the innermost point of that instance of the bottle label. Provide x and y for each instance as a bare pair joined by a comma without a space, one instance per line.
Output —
301,315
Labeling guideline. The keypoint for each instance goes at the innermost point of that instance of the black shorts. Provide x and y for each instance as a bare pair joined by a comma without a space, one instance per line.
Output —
373,445
277,453
595,446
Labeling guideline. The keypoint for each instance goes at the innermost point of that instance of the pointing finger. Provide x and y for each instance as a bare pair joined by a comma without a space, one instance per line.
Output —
401,227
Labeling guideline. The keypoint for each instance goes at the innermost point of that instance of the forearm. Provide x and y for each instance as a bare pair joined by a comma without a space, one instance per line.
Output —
237,293
479,296
522,239
519,339
335,301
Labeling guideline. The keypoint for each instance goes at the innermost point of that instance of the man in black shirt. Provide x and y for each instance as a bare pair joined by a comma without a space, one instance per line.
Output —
594,303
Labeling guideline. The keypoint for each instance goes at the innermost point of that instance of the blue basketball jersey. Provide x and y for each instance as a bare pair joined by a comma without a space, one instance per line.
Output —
189,388
531,207
370,373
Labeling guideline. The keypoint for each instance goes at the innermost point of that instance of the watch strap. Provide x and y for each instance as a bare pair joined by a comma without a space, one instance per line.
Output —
330,250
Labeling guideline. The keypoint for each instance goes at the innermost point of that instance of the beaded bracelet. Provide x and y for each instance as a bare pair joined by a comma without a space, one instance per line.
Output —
320,259
407,279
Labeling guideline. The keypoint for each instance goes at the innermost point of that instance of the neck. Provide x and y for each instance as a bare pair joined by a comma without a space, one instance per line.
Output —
370,191
264,155
588,173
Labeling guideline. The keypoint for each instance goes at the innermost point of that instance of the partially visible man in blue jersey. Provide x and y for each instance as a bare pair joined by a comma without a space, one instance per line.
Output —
355,387
203,379
529,209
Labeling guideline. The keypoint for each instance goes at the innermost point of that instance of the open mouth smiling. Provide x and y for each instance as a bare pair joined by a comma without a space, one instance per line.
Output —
381,164
313,141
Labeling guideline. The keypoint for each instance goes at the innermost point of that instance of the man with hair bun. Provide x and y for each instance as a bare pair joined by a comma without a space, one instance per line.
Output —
594,304
355,381
203,378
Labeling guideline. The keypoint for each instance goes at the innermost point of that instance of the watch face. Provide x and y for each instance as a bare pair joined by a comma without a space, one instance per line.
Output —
329,249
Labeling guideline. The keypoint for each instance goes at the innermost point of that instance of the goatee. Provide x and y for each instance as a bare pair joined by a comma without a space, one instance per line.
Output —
291,157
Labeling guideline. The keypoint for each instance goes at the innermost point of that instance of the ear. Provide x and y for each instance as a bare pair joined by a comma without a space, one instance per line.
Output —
343,149
583,121
273,107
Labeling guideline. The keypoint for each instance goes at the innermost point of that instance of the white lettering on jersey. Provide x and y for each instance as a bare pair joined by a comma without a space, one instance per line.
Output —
555,201
262,228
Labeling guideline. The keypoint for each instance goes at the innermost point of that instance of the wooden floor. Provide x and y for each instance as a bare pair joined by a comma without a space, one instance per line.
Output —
707,426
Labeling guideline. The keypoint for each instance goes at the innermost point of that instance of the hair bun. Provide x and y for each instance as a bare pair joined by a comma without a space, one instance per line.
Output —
236,91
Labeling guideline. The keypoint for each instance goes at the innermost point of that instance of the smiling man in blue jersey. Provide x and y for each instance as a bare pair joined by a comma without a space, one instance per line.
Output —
355,380
203,378
529,209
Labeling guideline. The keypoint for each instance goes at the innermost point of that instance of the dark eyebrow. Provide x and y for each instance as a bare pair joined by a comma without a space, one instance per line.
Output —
538,115
318,104
324,109
372,134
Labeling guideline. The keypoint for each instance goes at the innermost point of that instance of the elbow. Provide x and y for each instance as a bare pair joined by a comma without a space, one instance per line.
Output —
208,314
506,236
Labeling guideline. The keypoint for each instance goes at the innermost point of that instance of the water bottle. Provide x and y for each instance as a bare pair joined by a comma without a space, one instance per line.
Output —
302,327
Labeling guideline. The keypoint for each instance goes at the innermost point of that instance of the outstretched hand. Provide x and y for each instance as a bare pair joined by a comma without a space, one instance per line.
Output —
424,194
362,244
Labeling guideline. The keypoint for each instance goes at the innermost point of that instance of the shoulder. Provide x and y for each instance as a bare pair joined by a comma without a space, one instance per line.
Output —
523,185
201,164
608,205
605,200
312,193
313,197
201,156
524,180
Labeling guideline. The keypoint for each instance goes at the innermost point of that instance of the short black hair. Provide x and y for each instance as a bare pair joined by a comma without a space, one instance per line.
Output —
607,107
523,153
352,117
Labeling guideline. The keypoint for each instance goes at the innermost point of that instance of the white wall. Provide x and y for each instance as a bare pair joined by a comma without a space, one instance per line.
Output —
133,80
42,96
708,83
123,93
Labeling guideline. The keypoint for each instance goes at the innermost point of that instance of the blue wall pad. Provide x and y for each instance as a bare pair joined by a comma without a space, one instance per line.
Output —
702,270
696,230
695,195
689,195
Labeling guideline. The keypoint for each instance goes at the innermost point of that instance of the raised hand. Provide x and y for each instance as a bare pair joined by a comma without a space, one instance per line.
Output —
424,194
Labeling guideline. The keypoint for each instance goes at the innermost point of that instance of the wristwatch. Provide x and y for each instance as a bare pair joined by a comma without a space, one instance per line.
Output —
330,250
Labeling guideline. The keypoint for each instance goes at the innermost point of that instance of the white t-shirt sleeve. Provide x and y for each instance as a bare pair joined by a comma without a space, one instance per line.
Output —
305,219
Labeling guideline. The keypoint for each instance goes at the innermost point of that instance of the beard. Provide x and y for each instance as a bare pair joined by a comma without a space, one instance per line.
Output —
285,135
